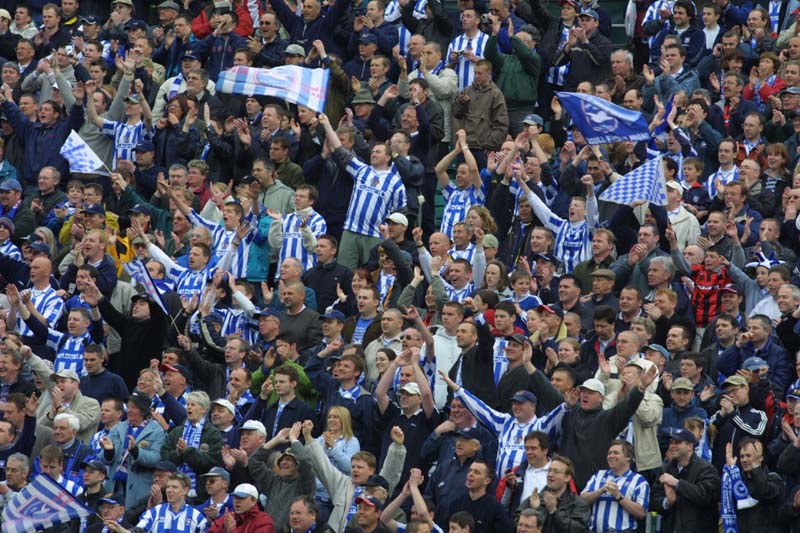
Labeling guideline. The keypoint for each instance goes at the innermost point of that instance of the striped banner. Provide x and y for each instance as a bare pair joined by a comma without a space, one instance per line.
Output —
43,503
298,85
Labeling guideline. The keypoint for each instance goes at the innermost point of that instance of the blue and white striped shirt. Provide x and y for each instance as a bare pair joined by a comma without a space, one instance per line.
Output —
653,13
376,195
188,282
467,253
126,137
557,75
465,69
48,304
69,350
608,513
10,250
727,176
510,432
161,519
500,359
573,239
458,203
222,238
292,245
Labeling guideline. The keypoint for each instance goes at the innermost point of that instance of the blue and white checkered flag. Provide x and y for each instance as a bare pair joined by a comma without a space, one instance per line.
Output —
81,158
43,503
643,183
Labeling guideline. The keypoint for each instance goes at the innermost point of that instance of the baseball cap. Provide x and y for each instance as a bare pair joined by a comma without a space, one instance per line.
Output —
754,363
333,314
10,185
268,312
169,4
95,464
367,38
140,208
135,24
573,3
398,218
735,380
595,385
65,373
218,471
658,348
254,425
376,480
490,241
125,2
469,434
639,362
295,50
794,390
90,19
731,287
589,13
145,146
682,384
545,257
113,499
94,209
133,98
7,223
411,388
532,119
604,273
222,402
39,247
166,466
141,296
518,338
791,90
244,490
182,370
372,501
5,14
189,56
675,185
552,309
684,435
523,396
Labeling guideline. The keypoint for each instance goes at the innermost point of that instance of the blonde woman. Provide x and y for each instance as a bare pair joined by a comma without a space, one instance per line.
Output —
339,444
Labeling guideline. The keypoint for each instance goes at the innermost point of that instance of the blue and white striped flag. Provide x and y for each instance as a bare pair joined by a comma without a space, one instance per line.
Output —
303,86
138,271
643,183
43,503
602,122
81,158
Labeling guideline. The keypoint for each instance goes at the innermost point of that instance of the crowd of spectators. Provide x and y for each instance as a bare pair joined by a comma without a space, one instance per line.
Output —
251,318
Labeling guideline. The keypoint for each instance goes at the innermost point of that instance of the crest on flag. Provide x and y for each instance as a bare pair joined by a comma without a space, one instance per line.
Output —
41,504
601,121
643,183
80,157
138,271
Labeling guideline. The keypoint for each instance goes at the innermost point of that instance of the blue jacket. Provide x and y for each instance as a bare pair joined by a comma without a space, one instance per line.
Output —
305,32
743,422
217,52
673,418
140,464
258,258
42,144
780,374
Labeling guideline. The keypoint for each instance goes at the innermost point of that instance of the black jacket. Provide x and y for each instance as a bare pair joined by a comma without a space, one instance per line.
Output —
295,411
697,493
324,278
768,488
477,367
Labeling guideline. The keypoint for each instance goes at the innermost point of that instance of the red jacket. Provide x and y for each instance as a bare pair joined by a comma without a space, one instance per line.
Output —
253,521
201,25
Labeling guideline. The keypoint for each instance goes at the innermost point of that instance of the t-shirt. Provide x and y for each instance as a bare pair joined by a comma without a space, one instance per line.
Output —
361,329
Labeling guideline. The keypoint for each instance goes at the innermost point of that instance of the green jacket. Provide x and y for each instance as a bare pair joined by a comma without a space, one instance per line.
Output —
305,390
519,72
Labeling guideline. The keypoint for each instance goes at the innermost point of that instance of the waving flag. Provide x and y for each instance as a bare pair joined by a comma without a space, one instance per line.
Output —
303,86
43,503
643,183
139,272
81,158
602,122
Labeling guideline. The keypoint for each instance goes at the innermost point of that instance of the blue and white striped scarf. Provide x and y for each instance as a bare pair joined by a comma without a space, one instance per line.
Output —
191,434
734,496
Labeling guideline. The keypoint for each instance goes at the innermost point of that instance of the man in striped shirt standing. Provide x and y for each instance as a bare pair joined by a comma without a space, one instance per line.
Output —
618,496
468,189
573,236
511,429
296,233
175,516
467,49
44,303
378,191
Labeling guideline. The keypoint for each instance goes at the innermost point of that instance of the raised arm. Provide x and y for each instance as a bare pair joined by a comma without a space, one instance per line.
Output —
91,111
441,167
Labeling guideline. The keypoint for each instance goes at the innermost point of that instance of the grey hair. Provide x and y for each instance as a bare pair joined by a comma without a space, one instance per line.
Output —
200,398
178,166
72,420
795,290
22,459
626,55
666,263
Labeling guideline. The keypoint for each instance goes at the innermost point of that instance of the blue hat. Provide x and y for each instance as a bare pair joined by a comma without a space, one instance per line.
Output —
754,363
518,338
658,348
95,464
90,19
794,391
333,315
189,55
113,499
94,209
133,98
377,480
145,146
141,208
467,433
40,247
589,13
135,24
218,471
10,185
532,119
182,370
684,435
524,396
268,312
367,38
216,318
166,466
372,501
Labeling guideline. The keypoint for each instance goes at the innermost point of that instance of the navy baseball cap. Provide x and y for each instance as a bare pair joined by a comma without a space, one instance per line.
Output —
135,25
145,146
794,390
684,435
166,466
94,209
189,56
367,38
333,315
90,19
524,396
268,312
95,464
141,208
10,185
